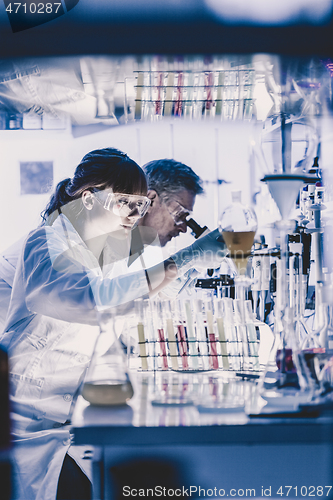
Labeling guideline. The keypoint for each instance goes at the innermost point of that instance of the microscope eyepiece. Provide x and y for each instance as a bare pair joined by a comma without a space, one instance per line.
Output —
196,229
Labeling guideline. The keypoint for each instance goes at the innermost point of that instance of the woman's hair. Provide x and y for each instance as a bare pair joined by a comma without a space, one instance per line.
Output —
100,169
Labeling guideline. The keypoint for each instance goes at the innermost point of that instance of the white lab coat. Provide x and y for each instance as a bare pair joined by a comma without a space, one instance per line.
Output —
8,263
50,332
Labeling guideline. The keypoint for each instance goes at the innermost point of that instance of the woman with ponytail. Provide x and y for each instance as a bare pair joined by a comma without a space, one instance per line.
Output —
65,271
72,265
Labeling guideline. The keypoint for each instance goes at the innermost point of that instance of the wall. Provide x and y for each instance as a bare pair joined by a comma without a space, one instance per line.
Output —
215,150
21,213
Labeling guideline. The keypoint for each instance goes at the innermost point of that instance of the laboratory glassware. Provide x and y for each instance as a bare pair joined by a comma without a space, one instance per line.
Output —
141,326
191,335
182,334
238,225
211,330
107,381
286,366
159,318
200,327
222,332
170,329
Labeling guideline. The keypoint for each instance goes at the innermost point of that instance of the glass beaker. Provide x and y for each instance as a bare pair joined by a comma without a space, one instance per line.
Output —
107,381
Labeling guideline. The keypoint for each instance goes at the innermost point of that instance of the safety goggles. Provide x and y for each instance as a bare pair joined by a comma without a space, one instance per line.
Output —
123,205
179,214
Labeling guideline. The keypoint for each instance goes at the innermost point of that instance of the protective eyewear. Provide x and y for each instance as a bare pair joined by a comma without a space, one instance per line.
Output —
123,205
179,214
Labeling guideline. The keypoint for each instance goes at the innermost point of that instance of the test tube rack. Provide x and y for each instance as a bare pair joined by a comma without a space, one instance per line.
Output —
198,335
225,94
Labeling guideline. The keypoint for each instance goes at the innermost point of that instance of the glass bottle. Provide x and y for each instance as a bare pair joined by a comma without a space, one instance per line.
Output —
107,382
238,225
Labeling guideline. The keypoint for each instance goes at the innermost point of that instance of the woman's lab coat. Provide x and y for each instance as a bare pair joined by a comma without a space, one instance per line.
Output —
50,333
8,263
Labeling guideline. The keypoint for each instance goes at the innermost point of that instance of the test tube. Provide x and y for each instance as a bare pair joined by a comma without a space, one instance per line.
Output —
242,332
230,328
209,86
201,334
240,100
214,362
198,101
160,331
141,333
219,93
138,100
181,336
178,108
222,334
251,335
169,93
159,98
152,337
248,94
171,335
191,337
189,96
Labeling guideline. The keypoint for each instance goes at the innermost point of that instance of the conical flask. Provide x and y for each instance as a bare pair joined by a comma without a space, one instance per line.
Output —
238,225
107,382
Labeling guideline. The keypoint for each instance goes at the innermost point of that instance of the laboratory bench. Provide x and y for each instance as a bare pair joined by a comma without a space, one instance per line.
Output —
183,430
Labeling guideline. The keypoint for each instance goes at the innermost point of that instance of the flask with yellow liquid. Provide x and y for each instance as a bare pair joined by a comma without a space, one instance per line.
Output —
107,382
238,225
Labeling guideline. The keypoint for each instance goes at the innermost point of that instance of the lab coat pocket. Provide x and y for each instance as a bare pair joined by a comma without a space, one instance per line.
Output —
25,393
61,383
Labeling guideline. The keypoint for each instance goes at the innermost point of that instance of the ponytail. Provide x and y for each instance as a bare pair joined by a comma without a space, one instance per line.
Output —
59,198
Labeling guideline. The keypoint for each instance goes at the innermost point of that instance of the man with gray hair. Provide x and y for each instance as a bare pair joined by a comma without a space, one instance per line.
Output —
172,188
